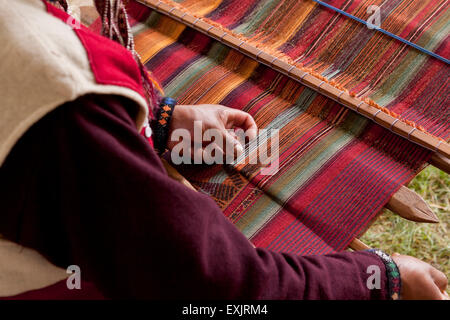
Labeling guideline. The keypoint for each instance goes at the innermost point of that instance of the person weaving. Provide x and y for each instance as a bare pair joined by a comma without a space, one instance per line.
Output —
80,184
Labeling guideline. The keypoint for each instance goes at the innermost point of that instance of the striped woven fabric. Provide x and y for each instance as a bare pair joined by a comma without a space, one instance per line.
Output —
337,169
367,63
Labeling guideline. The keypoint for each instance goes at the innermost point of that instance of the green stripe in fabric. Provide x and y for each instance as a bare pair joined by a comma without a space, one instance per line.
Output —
261,212
196,70
304,168
405,72
311,162
251,23
150,23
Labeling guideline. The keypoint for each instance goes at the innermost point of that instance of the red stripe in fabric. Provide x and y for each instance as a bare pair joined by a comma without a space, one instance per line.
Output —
309,192
176,56
358,209
235,10
393,170
323,21
343,201
359,220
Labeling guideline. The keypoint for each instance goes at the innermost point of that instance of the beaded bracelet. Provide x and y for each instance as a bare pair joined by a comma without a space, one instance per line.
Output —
393,275
161,124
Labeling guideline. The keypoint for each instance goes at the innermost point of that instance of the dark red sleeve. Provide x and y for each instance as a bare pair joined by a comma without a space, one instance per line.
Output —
83,187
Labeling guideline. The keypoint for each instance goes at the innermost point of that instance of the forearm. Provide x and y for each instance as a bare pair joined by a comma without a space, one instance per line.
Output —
101,199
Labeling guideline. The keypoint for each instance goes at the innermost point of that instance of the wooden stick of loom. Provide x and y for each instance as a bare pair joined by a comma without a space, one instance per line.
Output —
379,115
440,162
358,245
411,206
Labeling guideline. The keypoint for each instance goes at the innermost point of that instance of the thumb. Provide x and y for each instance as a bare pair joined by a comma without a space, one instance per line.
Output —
243,120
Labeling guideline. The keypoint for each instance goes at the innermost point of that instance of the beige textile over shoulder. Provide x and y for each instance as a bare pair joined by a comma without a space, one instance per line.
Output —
43,64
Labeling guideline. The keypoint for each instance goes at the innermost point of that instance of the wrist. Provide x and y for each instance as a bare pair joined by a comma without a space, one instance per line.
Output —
392,274
161,125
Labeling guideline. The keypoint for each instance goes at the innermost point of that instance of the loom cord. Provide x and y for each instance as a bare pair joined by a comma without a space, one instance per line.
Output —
409,43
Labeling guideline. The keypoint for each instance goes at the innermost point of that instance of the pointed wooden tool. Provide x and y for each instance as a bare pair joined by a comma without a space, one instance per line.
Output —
440,162
409,205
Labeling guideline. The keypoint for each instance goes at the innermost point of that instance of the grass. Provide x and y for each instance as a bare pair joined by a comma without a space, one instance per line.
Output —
428,242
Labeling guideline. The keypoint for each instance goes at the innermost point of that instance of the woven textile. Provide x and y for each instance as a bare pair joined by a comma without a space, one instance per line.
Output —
337,169
367,63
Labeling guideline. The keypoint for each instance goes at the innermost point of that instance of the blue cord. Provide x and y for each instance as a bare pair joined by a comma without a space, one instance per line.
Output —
384,31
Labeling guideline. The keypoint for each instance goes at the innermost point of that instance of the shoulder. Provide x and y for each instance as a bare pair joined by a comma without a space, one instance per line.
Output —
46,63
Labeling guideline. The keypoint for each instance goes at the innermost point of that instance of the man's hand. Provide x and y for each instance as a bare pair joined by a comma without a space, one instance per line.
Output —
225,120
420,281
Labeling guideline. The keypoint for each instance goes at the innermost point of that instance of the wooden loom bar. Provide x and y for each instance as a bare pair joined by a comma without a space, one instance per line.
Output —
174,174
358,245
440,162
409,205
382,118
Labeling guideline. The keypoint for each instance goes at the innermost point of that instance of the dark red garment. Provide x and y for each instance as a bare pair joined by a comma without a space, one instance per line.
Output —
84,188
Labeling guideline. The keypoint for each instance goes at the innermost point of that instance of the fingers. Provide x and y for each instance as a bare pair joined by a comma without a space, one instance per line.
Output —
431,291
241,119
439,279
218,148
209,151
223,132
420,281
